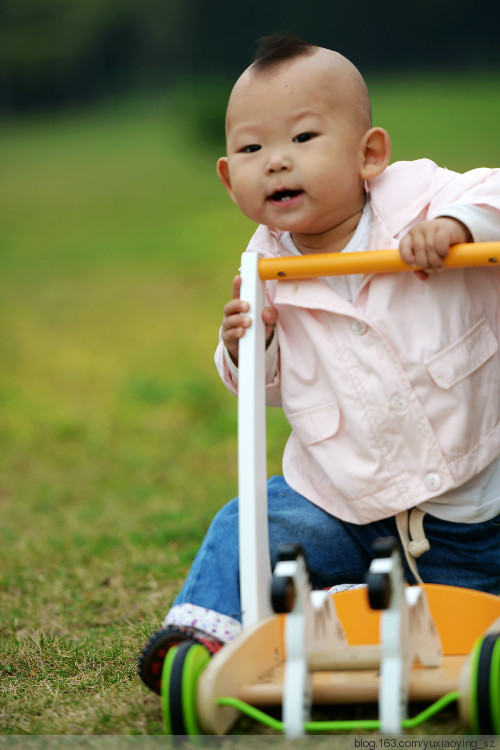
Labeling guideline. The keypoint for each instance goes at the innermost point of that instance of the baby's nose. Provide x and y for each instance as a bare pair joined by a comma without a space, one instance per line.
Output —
278,162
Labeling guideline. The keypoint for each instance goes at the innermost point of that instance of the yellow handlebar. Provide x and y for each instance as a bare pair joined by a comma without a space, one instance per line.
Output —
376,261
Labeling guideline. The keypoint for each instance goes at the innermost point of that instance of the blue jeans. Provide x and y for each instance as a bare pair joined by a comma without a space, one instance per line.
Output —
337,552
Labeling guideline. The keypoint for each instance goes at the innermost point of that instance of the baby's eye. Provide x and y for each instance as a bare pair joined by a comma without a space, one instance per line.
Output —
250,149
303,137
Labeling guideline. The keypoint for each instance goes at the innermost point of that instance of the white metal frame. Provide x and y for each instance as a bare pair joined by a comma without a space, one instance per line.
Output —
255,567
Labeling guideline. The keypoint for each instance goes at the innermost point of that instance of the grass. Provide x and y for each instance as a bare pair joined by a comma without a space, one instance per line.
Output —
117,252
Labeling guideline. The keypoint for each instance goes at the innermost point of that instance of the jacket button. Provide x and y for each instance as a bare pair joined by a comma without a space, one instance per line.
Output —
432,481
398,402
359,327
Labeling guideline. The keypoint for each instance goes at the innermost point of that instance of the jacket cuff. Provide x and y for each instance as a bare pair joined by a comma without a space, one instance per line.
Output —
483,223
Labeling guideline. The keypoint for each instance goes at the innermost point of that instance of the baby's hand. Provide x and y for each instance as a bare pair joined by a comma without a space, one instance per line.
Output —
428,243
235,321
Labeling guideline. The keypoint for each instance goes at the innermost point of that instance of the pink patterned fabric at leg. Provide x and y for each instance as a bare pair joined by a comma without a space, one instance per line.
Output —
219,626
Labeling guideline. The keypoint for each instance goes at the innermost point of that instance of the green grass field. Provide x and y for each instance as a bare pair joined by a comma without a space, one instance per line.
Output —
118,442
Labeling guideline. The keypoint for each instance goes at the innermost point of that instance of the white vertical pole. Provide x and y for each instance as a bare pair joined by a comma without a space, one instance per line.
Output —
255,568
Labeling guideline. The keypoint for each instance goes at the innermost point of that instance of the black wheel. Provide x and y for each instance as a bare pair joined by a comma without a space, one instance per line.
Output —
379,590
153,655
484,687
181,671
290,551
282,594
384,546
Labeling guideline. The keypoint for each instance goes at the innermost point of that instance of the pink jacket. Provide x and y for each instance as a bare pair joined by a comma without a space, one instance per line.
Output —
395,399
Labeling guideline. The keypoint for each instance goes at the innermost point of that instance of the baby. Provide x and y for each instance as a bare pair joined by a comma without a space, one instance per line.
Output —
391,383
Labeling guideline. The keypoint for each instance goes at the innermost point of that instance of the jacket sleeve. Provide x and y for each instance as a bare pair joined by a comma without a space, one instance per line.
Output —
479,187
409,192
229,372
483,223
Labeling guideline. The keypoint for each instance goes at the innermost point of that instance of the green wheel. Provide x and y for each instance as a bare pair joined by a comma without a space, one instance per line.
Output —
495,687
181,671
484,696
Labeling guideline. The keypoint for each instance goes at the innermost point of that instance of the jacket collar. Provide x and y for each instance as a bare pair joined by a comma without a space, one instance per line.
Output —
314,294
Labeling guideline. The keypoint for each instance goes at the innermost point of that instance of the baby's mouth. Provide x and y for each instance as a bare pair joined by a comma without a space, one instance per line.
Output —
283,196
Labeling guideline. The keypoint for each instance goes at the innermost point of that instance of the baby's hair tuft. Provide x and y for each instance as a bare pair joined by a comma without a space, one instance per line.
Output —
276,48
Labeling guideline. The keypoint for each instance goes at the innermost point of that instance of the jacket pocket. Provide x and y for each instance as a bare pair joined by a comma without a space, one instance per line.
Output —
315,424
463,357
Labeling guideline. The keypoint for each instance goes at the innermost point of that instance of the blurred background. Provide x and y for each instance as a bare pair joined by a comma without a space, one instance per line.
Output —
59,52
118,247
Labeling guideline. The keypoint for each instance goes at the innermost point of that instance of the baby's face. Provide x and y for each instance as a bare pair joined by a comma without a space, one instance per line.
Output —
293,149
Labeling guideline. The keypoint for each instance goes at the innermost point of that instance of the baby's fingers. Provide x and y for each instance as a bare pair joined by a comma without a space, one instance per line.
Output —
236,287
406,250
235,307
424,249
270,318
233,326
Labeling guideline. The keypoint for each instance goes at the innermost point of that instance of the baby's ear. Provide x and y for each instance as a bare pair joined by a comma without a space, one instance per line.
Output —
223,175
375,153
